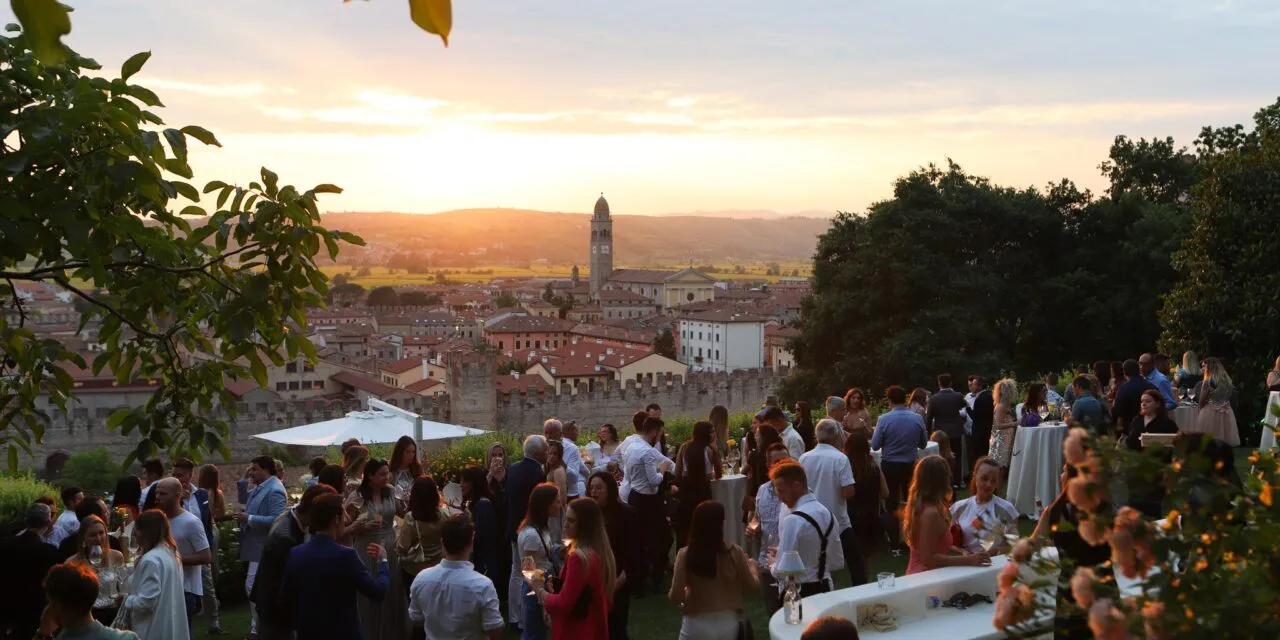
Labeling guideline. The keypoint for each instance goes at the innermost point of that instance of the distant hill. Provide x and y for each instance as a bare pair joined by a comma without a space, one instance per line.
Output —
522,235
747,214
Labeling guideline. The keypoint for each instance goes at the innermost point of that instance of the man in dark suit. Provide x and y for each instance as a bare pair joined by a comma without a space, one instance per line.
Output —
274,621
946,413
27,558
322,578
522,477
982,408
1128,398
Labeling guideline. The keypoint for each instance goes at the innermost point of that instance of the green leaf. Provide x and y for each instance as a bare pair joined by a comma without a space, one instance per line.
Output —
202,134
134,64
145,96
433,16
187,191
177,142
44,22
192,210
116,418
327,188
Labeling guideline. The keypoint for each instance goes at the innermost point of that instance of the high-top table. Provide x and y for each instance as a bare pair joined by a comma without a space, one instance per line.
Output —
1034,474
729,492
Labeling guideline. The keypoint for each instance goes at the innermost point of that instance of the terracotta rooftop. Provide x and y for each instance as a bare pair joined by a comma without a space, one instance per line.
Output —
357,381
401,366
423,385
644,276
620,296
530,324
723,315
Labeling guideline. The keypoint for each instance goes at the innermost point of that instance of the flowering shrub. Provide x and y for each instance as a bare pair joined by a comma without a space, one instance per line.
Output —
1211,565
472,451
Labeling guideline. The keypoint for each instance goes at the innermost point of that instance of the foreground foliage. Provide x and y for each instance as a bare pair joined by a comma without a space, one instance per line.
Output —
93,206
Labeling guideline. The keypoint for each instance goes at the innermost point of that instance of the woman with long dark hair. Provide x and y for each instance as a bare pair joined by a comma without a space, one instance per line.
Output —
864,507
804,424
128,494
711,578
1153,417
1073,551
496,478
93,550
1114,381
926,520
156,608
696,463
534,541
580,608
354,459
209,479
374,507
622,523
1029,415
856,416
476,502
405,467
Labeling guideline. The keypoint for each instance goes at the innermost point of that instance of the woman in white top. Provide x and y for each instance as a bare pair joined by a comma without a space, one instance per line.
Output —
534,540
155,608
984,515
603,449
93,551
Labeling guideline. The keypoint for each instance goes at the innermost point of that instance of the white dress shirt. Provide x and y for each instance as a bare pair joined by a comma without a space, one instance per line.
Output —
454,602
576,473
828,472
793,440
64,527
796,534
641,471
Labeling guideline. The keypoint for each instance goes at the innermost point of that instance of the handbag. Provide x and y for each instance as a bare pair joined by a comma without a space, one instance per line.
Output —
553,582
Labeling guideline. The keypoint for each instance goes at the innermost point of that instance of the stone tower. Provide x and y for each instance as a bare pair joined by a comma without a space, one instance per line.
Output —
601,246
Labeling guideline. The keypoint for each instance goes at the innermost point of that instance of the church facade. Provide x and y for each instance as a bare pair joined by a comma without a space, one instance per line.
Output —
662,289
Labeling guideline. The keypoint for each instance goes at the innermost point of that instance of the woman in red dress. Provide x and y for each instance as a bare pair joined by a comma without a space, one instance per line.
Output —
580,608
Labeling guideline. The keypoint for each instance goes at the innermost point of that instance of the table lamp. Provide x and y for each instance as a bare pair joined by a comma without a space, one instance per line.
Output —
791,567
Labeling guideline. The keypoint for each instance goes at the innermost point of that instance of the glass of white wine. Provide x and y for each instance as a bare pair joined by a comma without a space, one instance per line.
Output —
532,574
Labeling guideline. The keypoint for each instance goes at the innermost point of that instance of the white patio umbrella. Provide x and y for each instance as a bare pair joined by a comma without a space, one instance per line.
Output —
382,423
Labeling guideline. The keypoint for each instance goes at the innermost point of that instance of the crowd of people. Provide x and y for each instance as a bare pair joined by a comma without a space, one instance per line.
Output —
561,542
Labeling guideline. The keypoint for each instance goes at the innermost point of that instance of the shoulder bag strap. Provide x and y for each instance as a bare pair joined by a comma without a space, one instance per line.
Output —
555,568
823,537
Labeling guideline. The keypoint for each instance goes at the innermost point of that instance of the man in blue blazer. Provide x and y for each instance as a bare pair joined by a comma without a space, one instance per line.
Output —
322,578
522,477
262,506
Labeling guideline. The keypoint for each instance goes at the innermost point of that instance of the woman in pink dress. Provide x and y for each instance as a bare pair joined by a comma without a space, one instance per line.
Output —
926,524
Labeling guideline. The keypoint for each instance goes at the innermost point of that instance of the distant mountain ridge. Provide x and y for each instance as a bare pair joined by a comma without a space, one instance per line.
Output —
521,234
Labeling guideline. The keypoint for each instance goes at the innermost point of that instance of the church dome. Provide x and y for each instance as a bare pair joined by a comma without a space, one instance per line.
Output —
602,206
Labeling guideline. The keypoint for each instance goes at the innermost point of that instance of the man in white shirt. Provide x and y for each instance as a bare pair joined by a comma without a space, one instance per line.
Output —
830,478
803,526
643,472
67,524
188,533
576,473
452,601
774,417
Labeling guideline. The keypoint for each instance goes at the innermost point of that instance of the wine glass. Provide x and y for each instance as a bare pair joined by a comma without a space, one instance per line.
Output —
95,556
529,569
1044,412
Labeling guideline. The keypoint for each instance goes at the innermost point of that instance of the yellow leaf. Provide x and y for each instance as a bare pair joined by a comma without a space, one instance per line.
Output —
44,22
433,16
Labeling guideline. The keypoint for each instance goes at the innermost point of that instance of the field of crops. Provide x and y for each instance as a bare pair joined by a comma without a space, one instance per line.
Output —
382,276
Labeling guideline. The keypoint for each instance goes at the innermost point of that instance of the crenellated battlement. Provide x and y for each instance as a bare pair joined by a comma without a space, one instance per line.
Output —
691,395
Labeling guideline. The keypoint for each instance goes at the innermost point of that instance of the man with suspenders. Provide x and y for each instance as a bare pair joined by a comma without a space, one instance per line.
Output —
807,527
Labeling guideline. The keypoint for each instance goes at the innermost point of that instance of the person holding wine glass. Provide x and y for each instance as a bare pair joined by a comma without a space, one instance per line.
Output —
984,517
108,564
539,557
405,467
375,509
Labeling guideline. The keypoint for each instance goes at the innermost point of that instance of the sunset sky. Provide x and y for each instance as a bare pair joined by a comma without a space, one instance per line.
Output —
671,106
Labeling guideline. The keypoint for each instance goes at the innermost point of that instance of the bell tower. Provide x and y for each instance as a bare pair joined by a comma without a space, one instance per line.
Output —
601,246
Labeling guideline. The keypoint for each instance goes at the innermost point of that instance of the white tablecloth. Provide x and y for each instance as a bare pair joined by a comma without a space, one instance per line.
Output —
1036,467
931,448
729,492
1185,417
1269,436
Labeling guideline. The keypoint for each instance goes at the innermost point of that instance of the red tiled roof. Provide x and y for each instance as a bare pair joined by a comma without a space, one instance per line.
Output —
723,315
523,324
422,385
402,366
355,380
643,276
518,382
607,332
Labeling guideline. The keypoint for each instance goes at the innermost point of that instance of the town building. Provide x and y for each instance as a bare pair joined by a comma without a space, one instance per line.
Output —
721,340
528,332
665,288
777,350
601,246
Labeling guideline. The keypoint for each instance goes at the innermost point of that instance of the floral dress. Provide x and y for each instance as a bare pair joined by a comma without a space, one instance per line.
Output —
1002,432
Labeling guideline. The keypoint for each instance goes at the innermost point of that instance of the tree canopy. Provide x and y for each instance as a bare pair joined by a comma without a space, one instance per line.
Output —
383,297
184,297
957,274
